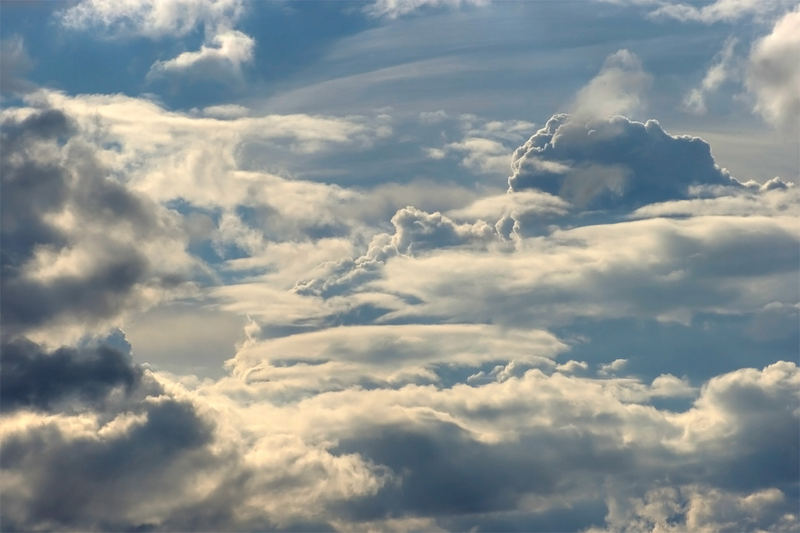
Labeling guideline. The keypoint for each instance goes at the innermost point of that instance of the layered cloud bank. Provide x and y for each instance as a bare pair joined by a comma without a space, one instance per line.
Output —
608,345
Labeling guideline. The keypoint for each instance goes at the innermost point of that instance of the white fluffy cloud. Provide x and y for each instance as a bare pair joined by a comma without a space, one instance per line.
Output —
773,74
607,345
225,49
151,18
80,248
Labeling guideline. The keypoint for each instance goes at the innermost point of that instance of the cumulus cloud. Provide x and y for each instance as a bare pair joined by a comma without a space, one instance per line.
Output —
151,18
773,73
612,162
415,231
79,248
225,49
701,508
489,361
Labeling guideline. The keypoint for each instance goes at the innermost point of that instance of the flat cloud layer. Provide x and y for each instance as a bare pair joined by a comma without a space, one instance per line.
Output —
608,345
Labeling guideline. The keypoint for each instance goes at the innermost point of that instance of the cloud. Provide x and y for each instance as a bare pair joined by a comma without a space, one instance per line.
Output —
225,49
664,269
79,248
612,162
415,231
14,65
228,51
720,10
701,508
483,155
483,360
104,444
151,18
34,378
383,356
773,73
616,90
577,427
717,74
392,9
516,204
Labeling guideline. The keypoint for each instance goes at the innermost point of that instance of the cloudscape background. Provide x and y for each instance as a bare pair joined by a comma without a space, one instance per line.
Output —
400,265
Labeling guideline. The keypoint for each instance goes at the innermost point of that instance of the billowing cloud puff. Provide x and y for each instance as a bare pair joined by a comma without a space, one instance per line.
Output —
383,356
612,162
226,49
105,444
151,18
773,74
414,232
667,269
608,345
78,246
717,74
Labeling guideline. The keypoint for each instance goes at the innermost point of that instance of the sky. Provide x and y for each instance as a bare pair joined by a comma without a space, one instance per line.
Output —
400,265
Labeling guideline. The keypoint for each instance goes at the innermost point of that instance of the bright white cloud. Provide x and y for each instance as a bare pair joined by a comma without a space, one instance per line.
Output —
227,51
773,74
152,18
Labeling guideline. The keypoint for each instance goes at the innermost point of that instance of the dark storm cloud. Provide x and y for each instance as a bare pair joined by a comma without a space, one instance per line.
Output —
444,471
59,200
614,162
34,378
739,436
89,481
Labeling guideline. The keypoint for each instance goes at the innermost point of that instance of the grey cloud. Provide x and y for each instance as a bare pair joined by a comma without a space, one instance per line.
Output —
14,65
35,378
773,74
75,241
120,481
614,162
415,231
699,507
446,472
738,438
